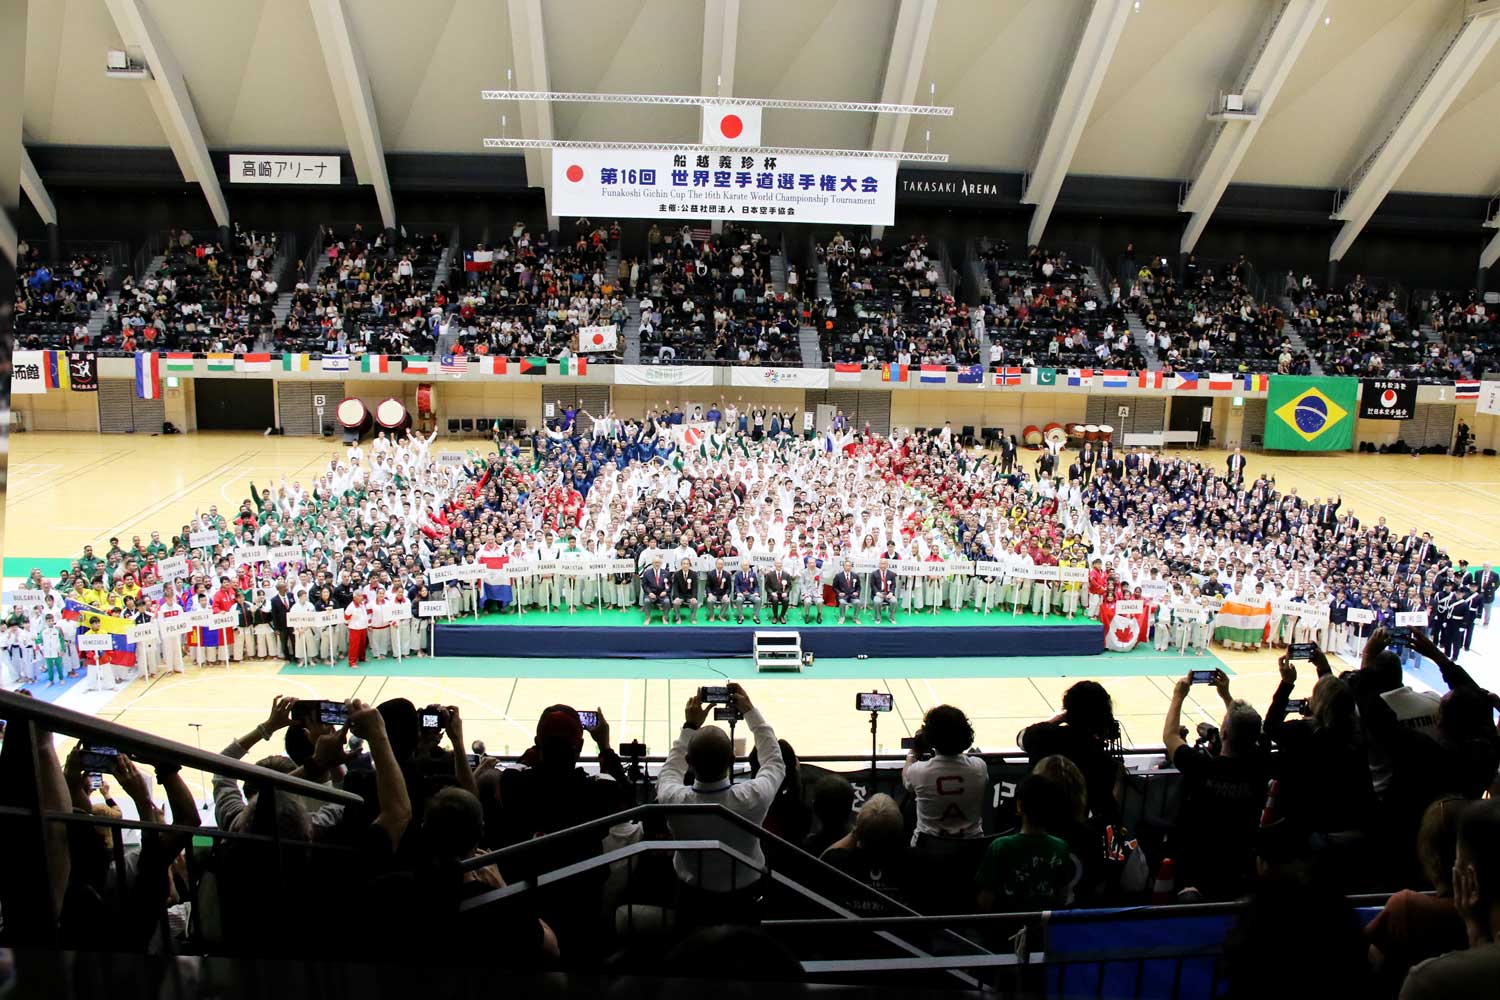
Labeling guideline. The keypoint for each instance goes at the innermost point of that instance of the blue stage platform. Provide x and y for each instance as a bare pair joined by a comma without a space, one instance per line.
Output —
672,641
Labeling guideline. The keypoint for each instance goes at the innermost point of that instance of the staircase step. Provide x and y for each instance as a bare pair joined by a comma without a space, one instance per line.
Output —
812,353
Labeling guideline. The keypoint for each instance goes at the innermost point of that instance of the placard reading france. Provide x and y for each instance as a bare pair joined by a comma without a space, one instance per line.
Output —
657,184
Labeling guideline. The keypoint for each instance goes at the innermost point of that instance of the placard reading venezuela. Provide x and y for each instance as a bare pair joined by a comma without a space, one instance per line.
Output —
667,184
1304,413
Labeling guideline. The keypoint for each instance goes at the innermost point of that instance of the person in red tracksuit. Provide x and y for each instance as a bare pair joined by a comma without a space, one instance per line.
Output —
357,617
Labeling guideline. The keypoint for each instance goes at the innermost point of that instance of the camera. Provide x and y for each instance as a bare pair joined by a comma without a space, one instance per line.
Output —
589,720
726,713
911,743
95,759
874,701
434,717
634,750
1301,650
716,696
1202,676
333,713
1208,737
1298,705
95,780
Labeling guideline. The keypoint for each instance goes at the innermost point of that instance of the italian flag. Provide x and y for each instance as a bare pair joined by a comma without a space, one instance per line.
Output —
294,362
253,363
179,361
573,366
414,364
1242,625
374,363
220,363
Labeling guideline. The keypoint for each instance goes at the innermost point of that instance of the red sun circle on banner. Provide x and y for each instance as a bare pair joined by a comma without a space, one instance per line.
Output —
598,339
575,173
731,126
1388,398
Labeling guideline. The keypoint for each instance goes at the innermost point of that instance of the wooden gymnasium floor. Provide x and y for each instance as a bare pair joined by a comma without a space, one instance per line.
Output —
70,489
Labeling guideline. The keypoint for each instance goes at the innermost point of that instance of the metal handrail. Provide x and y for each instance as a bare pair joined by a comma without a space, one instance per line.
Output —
54,719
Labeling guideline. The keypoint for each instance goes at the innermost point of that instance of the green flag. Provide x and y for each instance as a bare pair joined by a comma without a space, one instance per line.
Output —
1044,376
1304,413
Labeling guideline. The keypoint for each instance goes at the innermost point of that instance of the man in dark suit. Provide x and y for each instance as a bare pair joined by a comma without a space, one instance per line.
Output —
1489,582
846,589
1075,472
280,604
1087,458
883,590
746,591
685,592
656,589
717,592
778,593
1236,464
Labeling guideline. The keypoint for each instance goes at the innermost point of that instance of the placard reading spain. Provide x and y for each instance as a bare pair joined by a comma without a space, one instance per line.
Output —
646,184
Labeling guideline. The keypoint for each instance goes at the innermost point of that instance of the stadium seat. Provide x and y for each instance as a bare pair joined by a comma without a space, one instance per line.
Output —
467,424
990,436
453,425
966,434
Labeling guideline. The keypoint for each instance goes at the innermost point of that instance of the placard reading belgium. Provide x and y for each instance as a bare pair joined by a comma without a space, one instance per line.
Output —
644,184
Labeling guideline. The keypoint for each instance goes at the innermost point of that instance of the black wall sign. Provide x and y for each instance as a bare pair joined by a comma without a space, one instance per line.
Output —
1387,398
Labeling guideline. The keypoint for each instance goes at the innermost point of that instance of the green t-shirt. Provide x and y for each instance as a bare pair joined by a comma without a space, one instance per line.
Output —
1026,871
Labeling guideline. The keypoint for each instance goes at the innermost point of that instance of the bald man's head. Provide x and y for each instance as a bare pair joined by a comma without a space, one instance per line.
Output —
710,754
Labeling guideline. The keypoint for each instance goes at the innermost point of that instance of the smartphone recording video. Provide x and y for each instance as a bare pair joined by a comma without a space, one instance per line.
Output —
1298,705
874,701
715,696
589,720
1202,676
1301,650
95,759
334,713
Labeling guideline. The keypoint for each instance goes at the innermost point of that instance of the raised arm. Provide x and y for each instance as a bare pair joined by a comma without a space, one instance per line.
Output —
395,803
1171,735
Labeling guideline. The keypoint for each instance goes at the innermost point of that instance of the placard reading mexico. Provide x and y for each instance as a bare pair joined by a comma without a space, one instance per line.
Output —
645,184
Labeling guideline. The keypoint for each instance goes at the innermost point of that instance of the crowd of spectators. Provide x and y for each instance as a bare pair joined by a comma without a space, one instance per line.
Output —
532,294
888,305
371,294
1468,329
1046,310
53,304
1361,330
711,297
1210,320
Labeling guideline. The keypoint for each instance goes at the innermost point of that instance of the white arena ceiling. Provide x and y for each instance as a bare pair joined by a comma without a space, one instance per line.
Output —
257,78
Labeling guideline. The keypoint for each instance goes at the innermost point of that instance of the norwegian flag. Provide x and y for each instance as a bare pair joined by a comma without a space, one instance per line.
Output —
1008,376
731,125
452,364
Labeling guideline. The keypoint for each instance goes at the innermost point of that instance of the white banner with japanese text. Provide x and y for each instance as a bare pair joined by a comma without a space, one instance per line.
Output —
663,184
282,168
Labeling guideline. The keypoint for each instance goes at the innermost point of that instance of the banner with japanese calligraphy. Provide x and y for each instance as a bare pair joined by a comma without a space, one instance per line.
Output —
282,168
663,184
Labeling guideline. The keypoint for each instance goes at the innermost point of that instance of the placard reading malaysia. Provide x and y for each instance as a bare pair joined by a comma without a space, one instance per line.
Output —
662,184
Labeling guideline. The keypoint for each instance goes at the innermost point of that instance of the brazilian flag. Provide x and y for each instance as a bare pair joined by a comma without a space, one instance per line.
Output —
1304,413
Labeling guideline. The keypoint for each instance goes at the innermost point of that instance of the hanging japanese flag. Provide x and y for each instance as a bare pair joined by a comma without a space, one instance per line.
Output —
731,125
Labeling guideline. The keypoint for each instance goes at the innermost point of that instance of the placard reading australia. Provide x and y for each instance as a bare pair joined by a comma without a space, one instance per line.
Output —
662,184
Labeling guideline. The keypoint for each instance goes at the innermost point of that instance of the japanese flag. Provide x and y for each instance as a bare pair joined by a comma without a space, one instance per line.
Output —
731,125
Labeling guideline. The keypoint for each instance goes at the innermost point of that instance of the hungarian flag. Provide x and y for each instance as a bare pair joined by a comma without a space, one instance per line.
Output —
479,260
846,371
1013,376
1114,378
1185,380
1149,380
148,375
1220,381
253,363
374,364
1465,389
220,363
179,361
293,362
893,371
412,364
533,366
578,366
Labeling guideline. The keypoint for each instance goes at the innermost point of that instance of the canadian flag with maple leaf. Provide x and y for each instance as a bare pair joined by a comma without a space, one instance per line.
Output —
1122,632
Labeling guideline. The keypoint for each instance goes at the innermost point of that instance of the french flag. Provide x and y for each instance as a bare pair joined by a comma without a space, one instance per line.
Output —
1186,380
148,374
933,373
1114,378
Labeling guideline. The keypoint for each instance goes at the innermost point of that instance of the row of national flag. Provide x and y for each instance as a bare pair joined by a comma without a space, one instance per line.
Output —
149,366
1108,378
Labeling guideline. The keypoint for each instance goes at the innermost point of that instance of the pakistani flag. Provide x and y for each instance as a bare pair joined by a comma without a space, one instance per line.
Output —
1044,376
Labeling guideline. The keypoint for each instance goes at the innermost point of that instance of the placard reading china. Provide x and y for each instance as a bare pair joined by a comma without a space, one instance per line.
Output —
662,184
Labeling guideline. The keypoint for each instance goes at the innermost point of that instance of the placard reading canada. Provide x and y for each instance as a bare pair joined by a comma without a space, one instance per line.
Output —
662,184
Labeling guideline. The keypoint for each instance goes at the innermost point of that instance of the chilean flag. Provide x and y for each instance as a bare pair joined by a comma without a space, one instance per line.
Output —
731,125
479,260
148,374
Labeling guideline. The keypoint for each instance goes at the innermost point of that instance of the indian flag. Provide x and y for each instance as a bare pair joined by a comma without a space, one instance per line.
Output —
572,366
220,363
178,361
374,363
294,362
1241,625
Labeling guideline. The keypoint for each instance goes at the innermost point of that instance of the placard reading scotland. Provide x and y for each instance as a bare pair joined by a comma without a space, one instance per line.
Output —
661,184
779,378
663,375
